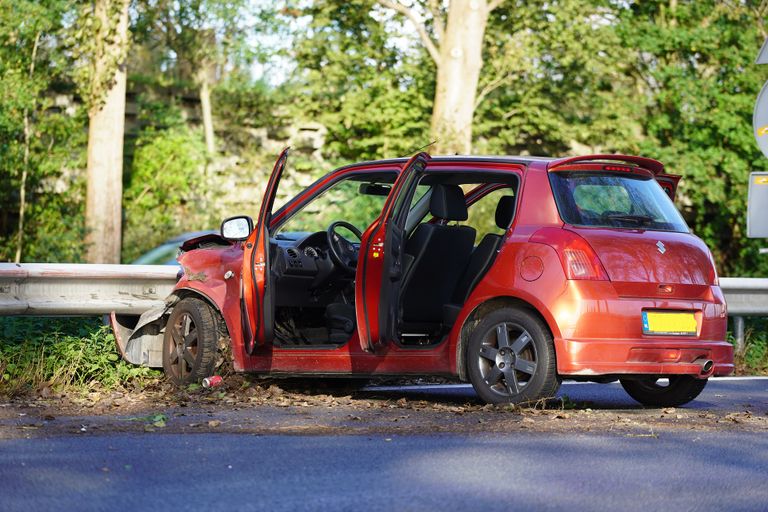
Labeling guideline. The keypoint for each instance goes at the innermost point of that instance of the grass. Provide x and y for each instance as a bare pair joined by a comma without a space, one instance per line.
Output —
754,361
71,354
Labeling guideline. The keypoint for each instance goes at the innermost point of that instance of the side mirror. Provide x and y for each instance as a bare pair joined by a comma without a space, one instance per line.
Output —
237,228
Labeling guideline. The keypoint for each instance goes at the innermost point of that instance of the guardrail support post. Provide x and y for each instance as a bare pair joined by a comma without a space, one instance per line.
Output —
738,332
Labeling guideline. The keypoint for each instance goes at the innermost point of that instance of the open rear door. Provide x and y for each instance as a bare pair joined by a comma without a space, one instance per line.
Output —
257,296
380,271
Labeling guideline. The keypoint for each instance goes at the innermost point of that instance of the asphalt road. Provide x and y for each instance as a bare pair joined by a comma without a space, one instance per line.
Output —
677,469
726,394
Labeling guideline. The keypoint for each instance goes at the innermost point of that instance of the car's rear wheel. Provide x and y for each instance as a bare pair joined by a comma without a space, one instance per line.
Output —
511,358
664,392
190,342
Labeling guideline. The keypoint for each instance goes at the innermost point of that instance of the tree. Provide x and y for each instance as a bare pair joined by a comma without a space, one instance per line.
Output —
374,98
454,40
196,39
555,81
101,37
536,71
38,141
693,67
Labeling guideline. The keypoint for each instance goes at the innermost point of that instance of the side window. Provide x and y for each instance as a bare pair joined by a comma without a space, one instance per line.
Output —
418,209
482,213
345,200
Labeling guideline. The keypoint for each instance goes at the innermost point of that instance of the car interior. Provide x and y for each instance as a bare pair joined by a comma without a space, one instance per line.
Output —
313,271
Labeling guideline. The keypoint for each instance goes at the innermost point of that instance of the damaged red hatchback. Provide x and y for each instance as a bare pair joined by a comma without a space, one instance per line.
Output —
510,272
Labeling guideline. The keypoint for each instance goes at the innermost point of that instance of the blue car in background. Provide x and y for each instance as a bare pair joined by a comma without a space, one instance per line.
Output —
165,254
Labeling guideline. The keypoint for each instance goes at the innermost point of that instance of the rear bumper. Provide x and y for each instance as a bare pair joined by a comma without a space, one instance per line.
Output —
600,333
634,357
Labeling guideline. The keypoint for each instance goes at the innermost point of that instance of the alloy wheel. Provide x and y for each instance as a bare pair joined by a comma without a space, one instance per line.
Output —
182,346
507,359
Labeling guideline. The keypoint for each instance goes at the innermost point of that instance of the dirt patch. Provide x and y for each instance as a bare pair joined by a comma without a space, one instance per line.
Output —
309,407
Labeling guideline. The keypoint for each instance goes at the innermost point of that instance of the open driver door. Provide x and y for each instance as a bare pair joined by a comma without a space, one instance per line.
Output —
257,295
380,272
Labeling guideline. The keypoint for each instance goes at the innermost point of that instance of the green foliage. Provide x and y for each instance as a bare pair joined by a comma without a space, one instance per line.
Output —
61,354
165,193
553,81
186,38
754,361
97,46
694,68
156,114
243,103
341,202
560,77
351,76
482,214
37,137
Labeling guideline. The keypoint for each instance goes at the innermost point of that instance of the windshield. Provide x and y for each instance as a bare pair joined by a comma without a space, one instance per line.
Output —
628,201
357,202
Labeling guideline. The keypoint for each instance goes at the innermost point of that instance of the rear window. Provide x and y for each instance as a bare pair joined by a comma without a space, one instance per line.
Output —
628,201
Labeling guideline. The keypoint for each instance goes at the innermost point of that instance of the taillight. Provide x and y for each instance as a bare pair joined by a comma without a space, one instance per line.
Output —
713,270
578,258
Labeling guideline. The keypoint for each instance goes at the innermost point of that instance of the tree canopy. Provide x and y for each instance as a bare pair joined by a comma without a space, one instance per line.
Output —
667,79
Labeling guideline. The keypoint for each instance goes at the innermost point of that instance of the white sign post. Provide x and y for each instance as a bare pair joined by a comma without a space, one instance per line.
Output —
757,201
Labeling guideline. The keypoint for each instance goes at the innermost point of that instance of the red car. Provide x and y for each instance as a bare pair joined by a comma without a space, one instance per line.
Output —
510,272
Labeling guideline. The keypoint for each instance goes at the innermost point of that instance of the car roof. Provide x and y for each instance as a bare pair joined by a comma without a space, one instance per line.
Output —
459,158
654,166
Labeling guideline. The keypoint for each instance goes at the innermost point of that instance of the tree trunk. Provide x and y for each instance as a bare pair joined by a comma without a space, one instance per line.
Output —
103,212
25,168
458,72
205,105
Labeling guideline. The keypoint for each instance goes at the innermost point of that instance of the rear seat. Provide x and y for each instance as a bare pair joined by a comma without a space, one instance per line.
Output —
479,262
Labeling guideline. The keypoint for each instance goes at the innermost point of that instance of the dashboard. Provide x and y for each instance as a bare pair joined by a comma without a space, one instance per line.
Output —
303,270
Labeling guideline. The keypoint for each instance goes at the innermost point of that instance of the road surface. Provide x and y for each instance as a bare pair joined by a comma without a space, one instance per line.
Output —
680,465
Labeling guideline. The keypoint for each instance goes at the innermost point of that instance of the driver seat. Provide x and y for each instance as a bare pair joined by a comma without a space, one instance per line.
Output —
340,321
435,256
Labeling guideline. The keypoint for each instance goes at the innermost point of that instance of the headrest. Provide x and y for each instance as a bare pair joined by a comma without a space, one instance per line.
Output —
447,202
505,211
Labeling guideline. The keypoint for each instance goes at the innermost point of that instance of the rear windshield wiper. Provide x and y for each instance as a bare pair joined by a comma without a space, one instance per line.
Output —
625,217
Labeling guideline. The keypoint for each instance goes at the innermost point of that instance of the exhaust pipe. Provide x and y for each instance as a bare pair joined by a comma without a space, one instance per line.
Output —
707,366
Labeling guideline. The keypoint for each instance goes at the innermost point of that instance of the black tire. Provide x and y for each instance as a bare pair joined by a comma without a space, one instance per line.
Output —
680,390
190,343
514,368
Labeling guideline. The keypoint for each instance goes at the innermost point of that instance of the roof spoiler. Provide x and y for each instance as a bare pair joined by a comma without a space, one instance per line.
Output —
652,165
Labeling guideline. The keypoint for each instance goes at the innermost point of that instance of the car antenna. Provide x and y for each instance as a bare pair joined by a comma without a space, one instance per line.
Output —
419,149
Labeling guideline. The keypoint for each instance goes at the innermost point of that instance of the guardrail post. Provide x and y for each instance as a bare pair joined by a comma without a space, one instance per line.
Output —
738,333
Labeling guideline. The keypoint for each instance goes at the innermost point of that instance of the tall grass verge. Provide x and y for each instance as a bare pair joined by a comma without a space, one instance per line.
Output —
64,355
754,360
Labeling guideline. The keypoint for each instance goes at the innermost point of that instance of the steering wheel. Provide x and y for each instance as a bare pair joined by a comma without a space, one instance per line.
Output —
342,251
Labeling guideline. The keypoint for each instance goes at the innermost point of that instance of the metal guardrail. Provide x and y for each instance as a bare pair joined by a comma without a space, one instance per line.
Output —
68,289
745,297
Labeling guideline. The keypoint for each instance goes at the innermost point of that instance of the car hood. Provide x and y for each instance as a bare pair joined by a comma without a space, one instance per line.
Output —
206,262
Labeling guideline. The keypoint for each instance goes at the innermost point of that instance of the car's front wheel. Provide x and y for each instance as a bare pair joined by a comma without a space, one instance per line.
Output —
670,392
190,342
511,358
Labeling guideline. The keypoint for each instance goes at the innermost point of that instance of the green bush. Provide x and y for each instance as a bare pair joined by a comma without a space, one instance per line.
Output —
165,194
62,354
755,359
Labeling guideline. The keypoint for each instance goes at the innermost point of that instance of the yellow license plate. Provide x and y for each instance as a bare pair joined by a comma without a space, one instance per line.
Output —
680,324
